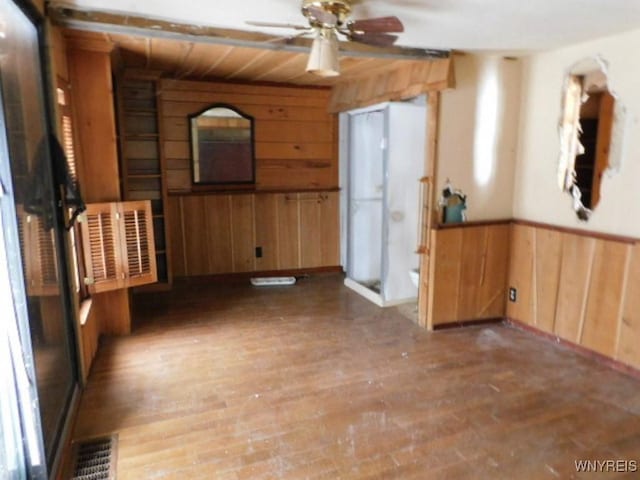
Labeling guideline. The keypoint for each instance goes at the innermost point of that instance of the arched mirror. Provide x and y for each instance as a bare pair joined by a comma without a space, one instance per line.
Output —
222,146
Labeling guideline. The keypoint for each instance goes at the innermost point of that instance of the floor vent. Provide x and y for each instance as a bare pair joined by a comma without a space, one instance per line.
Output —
95,459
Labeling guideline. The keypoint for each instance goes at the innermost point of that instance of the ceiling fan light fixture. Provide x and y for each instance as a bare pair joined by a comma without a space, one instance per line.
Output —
324,60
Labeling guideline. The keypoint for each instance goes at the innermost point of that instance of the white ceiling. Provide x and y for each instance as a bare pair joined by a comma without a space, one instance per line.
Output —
486,25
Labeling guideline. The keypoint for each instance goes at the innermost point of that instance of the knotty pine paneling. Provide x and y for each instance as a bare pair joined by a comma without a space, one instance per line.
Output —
266,228
218,233
470,272
402,82
548,247
288,221
472,252
175,229
596,283
628,344
295,141
521,272
196,243
98,174
242,233
575,276
329,212
310,242
446,248
495,269
604,301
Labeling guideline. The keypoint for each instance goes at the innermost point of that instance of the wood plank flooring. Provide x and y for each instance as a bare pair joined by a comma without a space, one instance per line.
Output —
229,381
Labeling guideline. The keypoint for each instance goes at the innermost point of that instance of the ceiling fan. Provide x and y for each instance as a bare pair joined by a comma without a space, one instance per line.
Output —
328,19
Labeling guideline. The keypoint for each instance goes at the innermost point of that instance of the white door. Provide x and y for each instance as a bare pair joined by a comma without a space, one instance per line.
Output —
405,167
366,196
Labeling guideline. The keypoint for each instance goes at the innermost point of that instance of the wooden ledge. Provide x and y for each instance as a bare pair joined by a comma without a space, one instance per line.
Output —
187,193
477,223
547,226
577,231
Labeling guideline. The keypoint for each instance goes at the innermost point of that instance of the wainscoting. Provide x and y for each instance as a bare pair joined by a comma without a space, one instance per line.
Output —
219,233
582,287
470,266
579,286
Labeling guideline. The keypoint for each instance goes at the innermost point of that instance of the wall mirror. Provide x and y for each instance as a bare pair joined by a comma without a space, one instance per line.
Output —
222,146
590,134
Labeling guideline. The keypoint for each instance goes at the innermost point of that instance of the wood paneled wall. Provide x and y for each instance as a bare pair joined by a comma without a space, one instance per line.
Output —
469,266
392,84
219,233
96,151
582,288
295,136
94,120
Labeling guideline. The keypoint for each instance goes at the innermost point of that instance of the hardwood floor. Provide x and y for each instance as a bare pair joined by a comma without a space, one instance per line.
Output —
229,381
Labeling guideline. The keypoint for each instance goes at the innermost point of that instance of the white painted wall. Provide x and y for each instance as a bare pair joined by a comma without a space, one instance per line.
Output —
537,196
478,134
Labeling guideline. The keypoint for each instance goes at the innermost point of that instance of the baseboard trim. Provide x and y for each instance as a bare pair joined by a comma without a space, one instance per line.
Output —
580,349
467,323
224,277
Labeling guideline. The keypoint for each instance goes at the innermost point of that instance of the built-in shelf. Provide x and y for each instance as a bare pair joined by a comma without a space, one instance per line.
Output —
145,175
139,137
138,111
142,136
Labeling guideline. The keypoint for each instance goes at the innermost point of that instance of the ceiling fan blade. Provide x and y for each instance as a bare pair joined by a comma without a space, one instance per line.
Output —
377,25
322,16
278,25
376,39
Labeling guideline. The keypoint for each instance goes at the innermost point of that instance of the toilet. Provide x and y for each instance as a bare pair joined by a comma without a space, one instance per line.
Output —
415,277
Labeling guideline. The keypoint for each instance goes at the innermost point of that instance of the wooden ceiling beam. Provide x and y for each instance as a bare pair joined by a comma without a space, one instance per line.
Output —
101,21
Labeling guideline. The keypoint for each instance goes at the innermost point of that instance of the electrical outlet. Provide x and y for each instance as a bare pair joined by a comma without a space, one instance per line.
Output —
513,294
258,252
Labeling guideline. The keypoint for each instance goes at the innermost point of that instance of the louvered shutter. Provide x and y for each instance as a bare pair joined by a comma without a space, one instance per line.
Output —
39,259
118,245
99,236
137,243
23,234
47,277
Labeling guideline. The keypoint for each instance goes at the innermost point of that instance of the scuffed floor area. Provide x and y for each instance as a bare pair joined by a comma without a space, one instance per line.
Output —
229,381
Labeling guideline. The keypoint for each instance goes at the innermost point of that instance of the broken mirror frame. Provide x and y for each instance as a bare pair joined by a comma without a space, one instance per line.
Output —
583,79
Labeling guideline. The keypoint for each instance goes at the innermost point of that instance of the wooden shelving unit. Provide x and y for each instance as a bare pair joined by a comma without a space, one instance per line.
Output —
141,161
